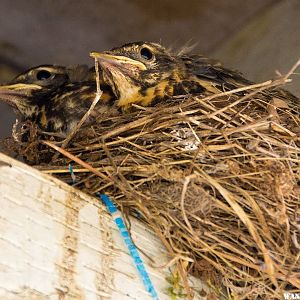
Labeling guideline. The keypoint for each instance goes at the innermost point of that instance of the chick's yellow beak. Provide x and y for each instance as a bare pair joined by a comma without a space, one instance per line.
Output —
12,94
19,86
118,61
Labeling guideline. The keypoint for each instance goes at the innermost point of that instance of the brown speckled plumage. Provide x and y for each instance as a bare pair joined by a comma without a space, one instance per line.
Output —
146,73
54,97
142,73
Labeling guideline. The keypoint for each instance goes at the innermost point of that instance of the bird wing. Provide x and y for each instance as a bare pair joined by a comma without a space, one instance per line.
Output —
210,70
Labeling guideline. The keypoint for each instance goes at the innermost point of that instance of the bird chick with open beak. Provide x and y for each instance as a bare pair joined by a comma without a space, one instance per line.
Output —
145,73
55,97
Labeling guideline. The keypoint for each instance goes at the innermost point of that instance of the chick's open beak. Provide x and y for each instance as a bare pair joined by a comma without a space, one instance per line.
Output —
123,63
12,94
118,71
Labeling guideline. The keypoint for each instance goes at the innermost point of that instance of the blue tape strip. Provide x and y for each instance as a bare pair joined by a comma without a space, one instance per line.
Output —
72,173
131,247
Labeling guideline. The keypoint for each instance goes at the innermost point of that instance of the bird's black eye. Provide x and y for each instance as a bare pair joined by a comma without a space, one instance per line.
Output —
43,75
146,53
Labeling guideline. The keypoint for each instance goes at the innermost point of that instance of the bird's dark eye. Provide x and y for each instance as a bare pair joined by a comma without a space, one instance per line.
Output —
43,75
146,53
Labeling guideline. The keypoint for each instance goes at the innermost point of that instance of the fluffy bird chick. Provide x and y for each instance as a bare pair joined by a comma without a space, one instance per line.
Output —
145,73
57,97
54,97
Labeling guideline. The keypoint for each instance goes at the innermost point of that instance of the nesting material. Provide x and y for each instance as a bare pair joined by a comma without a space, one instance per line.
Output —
216,178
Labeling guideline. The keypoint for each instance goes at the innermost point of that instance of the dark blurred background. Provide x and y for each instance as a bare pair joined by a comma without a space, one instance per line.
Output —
257,37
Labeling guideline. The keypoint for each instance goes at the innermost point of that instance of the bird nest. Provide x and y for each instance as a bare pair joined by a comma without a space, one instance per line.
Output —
216,178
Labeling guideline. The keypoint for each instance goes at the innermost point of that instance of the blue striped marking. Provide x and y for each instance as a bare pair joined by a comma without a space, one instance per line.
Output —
131,247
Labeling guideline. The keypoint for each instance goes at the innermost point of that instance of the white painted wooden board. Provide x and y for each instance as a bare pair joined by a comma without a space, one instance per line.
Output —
59,243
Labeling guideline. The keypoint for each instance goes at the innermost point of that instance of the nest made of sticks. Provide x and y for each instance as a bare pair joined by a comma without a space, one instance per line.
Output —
216,178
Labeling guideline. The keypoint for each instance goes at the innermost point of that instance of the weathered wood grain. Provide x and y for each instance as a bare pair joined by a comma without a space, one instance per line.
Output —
58,243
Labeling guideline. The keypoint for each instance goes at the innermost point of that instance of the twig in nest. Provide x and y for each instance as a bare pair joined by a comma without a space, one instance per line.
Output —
292,70
87,114
184,190
78,160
